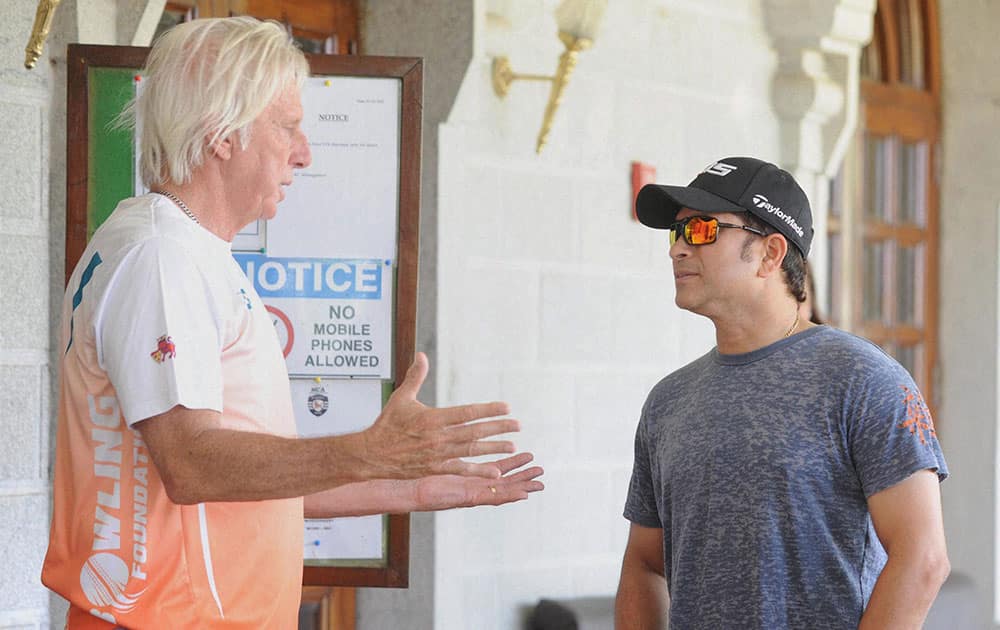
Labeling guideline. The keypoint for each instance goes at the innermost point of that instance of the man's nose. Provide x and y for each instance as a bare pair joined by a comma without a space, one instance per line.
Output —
680,249
301,156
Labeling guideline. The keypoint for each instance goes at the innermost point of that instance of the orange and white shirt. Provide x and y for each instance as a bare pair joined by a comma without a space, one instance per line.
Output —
159,314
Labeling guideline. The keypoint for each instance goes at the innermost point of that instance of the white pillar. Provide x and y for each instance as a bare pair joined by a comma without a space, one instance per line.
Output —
815,94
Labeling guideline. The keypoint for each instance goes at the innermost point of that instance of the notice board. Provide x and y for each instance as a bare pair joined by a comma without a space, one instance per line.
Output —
337,268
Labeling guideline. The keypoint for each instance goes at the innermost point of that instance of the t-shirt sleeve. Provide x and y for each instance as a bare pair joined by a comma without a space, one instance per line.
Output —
158,335
892,434
640,505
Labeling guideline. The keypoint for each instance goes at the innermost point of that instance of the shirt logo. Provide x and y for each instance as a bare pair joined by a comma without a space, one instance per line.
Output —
719,168
104,579
918,418
165,349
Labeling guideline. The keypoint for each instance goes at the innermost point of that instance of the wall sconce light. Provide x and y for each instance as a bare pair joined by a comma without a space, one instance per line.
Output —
578,22
39,31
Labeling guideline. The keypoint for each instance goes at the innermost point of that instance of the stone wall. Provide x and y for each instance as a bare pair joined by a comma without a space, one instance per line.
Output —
24,322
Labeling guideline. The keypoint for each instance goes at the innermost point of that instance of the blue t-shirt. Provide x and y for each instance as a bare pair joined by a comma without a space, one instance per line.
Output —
757,467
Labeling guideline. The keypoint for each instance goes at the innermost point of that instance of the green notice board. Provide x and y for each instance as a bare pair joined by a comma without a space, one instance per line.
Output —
110,150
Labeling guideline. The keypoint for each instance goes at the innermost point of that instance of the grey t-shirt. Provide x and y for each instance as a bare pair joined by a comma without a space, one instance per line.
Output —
757,467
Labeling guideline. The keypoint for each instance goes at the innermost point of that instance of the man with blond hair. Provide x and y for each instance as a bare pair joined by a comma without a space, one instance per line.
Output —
788,478
179,481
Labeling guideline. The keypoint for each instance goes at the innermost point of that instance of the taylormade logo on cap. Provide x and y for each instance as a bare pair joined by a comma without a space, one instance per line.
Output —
761,202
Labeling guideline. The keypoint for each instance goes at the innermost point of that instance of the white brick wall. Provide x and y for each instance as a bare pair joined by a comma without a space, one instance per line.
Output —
24,324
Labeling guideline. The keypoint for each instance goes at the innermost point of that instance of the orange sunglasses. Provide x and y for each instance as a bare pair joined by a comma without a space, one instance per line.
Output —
703,230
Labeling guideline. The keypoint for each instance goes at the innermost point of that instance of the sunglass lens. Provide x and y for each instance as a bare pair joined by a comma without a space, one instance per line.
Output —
700,231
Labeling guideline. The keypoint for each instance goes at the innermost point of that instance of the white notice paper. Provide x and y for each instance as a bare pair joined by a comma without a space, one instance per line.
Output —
346,204
335,407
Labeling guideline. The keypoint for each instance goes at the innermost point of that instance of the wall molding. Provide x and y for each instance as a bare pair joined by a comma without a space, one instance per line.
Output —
23,487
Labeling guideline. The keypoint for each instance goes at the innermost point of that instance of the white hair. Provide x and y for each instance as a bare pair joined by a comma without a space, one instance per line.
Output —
205,80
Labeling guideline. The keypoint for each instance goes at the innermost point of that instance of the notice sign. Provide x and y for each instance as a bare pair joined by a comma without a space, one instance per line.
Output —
335,407
333,316
351,188
349,537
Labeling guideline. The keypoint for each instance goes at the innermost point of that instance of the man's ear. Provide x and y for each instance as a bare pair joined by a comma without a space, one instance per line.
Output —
775,248
221,148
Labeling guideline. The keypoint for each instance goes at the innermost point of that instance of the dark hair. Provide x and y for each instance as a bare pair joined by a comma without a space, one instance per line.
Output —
814,315
793,266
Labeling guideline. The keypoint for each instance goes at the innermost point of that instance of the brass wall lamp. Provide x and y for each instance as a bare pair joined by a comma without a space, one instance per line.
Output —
578,22
39,31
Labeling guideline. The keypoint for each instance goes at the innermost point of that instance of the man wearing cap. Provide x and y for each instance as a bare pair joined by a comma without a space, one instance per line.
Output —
789,477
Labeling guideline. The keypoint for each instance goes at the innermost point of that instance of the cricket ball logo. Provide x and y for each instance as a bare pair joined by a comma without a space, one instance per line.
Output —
165,349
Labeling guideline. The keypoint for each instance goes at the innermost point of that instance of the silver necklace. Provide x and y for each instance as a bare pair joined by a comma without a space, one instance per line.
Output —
180,204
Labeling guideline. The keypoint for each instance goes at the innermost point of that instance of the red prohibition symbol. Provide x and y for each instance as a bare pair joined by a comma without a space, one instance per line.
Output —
289,334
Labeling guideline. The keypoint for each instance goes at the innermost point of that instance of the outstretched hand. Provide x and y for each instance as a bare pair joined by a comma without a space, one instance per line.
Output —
442,492
410,440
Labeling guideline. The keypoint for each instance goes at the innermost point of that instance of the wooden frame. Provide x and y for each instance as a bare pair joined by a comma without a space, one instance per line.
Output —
310,19
892,108
336,608
83,58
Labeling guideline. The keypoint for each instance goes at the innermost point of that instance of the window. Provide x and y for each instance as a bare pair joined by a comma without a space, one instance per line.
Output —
319,26
884,204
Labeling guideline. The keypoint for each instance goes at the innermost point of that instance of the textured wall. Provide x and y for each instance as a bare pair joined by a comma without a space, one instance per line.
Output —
24,316
32,241
970,204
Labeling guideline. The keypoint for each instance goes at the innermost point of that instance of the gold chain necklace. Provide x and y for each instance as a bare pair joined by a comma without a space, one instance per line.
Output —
794,324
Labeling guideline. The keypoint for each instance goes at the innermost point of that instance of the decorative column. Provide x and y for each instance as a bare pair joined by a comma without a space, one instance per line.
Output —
815,94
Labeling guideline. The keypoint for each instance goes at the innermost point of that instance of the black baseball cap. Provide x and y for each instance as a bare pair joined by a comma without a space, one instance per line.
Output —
734,184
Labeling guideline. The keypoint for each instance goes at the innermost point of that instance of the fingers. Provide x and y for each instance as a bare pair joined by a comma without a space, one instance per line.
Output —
481,430
507,490
469,440
468,469
515,461
534,486
467,413
414,378
495,469
515,486
528,474
511,487
485,447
